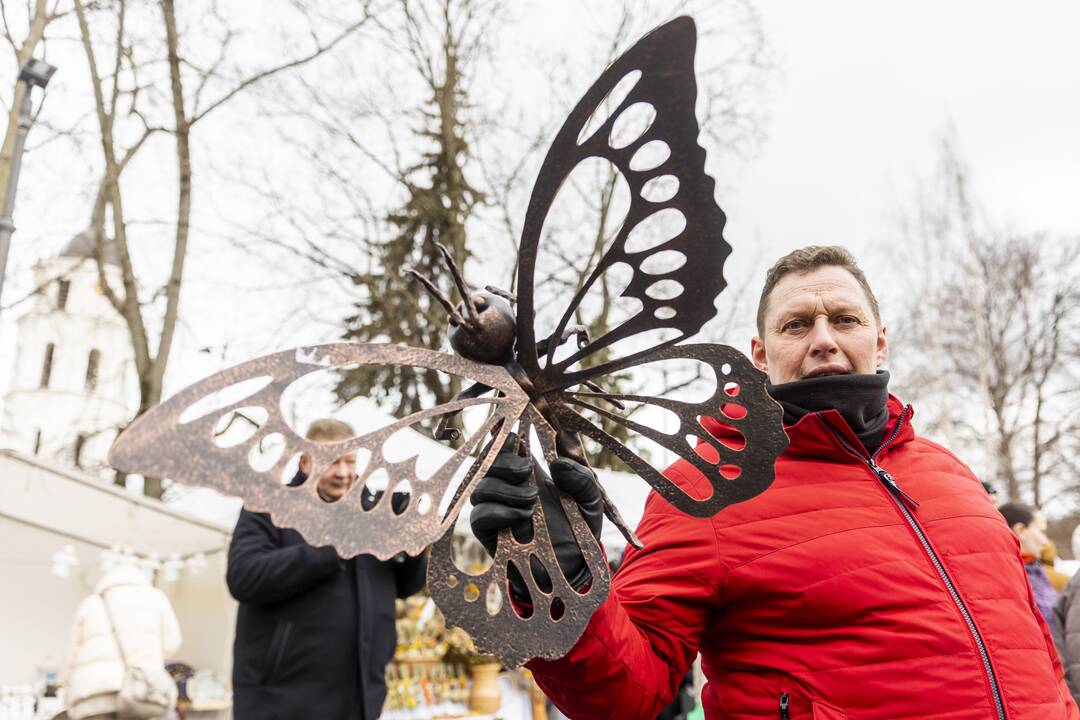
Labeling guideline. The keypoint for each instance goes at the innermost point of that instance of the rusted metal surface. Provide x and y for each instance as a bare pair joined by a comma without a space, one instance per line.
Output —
550,622
159,444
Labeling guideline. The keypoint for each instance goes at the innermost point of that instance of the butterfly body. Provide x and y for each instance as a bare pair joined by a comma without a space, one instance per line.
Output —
489,338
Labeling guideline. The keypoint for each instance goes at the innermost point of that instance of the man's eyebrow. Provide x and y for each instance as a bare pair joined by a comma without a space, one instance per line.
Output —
808,306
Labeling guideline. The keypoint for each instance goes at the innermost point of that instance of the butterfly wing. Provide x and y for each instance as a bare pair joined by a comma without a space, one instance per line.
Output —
555,617
675,279
677,298
176,439
732,437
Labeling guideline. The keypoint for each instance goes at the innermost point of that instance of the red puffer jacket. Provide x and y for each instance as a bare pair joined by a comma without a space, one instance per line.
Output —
827,597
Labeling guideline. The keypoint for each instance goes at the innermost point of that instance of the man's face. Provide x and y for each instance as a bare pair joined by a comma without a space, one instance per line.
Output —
818,323
1033,536
338,478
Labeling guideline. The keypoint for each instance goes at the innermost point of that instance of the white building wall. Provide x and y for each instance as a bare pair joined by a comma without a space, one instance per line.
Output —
49,420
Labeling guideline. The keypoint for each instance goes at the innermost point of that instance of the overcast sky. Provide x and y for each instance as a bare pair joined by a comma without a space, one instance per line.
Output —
866,92
860,99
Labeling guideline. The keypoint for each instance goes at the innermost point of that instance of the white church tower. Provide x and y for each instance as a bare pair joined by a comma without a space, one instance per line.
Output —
74,381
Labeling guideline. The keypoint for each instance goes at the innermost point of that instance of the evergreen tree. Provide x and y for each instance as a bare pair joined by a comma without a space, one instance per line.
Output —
439,201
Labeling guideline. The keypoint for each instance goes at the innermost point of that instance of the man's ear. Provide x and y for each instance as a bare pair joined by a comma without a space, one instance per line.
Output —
882,353
757,354
1019,528
305,464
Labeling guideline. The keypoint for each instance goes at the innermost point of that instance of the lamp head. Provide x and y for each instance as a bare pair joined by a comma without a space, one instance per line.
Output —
36,72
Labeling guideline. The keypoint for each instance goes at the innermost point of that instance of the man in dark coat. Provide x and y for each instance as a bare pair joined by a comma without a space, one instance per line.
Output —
314,632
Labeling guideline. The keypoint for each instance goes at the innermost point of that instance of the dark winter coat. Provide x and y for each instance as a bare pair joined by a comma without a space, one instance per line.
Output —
1066,627
314,632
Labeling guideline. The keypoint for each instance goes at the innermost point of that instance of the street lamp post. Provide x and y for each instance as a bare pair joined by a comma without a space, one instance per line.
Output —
33,73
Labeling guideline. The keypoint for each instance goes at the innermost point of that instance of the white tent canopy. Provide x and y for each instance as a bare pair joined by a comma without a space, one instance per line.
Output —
44,508
35,492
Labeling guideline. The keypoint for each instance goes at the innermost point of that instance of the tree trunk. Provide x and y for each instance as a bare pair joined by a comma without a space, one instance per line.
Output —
34,35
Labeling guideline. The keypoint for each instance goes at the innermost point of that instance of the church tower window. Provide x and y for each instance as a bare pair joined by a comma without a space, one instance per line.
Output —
80,444
62,290
93,362
46,366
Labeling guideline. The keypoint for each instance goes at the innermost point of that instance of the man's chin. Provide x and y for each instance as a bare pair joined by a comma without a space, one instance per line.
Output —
333,496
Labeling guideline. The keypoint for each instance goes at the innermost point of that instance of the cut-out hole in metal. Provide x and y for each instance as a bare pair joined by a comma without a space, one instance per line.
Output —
401,497
423,504
650,156
238,426
290,473
733,411
632,123
493,600
655,230
266,452
664,290
663,262
608,105
660,189
223,398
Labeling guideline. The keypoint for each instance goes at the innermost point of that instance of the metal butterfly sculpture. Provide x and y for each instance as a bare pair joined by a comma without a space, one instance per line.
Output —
522,384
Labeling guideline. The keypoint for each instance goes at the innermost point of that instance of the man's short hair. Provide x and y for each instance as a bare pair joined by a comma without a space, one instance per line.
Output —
1017,512
810,258
329,430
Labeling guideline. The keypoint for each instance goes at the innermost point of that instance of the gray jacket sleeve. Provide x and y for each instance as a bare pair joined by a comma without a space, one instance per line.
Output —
1066,630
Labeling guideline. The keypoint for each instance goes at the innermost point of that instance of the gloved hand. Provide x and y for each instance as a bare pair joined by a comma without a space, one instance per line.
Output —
505,499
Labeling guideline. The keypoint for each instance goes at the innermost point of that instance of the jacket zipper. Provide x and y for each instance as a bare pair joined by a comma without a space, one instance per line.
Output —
784,699
905,502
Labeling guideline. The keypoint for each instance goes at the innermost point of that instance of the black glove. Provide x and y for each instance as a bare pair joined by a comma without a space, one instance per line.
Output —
505,499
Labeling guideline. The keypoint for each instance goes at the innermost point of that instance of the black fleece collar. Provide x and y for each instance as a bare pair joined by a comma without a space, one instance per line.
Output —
860,400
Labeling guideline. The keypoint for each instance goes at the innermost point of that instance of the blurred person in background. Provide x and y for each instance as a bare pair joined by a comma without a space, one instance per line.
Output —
314,631
1029,525
1048,558
125,623
1066,625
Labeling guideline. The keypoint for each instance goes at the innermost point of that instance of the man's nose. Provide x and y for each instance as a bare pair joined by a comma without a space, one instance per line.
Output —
822,341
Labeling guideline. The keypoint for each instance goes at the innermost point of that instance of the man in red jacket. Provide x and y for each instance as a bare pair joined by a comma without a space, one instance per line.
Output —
873,579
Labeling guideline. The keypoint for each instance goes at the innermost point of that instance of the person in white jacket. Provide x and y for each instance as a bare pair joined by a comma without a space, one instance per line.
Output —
146,626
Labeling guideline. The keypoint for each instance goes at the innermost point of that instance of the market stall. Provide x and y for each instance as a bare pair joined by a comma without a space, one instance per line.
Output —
437,673
57,527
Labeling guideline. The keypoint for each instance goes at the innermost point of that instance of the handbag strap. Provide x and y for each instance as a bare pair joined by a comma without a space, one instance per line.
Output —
112,627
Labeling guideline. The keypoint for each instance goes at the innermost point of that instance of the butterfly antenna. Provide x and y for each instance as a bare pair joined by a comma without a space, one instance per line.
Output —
601,391
613,514
471,312
504,294
436,293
